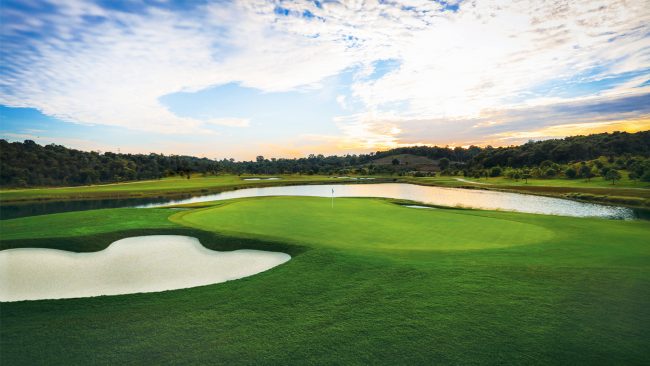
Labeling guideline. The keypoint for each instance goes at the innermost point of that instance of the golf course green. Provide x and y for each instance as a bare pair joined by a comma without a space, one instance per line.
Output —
362,224
370,282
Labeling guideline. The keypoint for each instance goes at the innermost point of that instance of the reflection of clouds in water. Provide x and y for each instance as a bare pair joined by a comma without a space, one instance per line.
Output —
488,200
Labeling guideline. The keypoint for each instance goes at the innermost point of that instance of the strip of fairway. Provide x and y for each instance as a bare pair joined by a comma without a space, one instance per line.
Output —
362,224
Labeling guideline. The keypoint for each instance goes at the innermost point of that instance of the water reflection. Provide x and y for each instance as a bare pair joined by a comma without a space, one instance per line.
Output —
49,207
488,200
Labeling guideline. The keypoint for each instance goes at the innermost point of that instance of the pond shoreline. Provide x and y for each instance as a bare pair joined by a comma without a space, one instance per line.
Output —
187,193
111,200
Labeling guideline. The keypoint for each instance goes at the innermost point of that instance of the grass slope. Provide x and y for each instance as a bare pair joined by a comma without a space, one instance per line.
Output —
370,282
153,188
412,161
627,192
597,182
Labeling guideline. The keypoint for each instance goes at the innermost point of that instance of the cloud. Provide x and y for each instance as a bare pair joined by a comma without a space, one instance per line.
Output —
231,122
81,144
455,65
632,125
501,127
114,71
340,99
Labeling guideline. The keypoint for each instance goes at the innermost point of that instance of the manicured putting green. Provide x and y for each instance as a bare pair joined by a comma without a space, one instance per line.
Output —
359,223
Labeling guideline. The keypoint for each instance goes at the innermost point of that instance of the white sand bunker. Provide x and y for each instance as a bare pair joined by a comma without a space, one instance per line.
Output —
139,264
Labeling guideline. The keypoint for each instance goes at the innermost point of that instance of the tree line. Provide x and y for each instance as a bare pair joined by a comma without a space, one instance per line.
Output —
28,164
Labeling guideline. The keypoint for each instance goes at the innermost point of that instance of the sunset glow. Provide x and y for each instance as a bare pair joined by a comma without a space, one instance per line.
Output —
290,78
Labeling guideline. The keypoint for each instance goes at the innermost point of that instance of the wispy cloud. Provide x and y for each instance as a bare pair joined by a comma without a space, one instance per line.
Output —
459,71
81,144
232,122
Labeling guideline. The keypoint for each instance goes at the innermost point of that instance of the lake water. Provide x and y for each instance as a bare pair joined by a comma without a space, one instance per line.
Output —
453,197
481,199
132,265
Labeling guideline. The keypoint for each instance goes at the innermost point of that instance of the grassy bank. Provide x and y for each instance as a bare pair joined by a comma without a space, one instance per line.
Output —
370,282
626,192
167,187
596,182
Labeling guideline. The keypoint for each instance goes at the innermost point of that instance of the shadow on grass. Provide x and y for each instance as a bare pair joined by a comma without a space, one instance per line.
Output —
97,242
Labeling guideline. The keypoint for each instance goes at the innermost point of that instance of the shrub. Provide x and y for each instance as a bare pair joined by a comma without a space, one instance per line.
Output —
570,173
495,171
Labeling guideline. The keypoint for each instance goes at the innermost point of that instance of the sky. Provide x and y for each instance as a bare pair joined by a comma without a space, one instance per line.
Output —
237,79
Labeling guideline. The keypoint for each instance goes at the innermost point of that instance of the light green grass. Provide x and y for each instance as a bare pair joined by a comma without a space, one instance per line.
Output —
386,226
626,192
597,182
84,223
153,188
369,283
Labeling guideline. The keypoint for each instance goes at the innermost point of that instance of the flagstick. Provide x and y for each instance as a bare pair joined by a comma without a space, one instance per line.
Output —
332,197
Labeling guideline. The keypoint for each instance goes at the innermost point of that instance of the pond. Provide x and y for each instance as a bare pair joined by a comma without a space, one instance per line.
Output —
452,197
132,265
481,199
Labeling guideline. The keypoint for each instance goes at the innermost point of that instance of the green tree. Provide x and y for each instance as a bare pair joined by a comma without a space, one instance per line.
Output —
613,175
570,173
584,172
443,163
646,176
594,172
550,173
495,171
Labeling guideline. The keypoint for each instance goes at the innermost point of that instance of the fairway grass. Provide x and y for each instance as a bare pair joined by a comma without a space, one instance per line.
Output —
166,187
630,193
370,282
360,223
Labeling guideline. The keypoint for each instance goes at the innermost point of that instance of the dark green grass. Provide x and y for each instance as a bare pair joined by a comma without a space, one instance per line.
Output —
72,224
167,187
581,296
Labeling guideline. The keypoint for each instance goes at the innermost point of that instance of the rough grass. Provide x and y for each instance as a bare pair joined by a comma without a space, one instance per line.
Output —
580,296
71,224
597,182
626,192
156,188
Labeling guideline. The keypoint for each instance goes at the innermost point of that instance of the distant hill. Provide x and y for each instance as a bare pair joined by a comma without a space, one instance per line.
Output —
28,164
532,153
414,162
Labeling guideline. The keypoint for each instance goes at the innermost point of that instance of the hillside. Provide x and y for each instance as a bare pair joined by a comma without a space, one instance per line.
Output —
408,161
27,164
